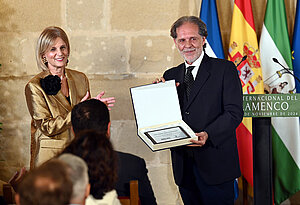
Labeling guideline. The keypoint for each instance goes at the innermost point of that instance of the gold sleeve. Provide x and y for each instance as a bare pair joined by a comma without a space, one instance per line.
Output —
47,115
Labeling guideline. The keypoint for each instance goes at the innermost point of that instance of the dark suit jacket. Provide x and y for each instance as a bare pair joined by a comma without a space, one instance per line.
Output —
215,106
131,167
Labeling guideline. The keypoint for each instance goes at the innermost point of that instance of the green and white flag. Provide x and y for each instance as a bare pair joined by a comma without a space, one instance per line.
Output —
274,43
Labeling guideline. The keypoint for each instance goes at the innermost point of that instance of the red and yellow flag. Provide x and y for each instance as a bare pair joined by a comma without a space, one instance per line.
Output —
243,42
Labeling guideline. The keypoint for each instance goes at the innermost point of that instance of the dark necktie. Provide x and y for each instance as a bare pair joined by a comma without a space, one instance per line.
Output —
188,81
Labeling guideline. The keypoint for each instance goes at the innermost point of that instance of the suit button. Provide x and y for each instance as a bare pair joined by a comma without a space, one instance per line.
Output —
187,112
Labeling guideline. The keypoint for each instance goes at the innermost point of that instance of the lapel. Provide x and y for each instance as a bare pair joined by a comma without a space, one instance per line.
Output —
72,87
180,79
181,73
61,99
201,77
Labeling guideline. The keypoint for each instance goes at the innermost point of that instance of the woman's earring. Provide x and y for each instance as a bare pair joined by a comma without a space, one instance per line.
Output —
44,60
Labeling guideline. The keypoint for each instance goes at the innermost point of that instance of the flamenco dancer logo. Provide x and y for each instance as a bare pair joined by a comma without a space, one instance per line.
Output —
246,68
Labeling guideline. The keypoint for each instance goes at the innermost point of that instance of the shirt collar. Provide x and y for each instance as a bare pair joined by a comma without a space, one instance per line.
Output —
196,63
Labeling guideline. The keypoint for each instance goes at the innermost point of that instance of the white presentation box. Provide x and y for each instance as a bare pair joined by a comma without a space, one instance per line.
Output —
158,116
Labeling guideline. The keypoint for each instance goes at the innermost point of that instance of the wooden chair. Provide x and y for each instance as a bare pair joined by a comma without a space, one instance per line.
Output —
133,199
8,193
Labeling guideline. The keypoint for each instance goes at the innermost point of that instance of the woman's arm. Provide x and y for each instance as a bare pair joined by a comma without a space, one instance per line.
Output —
39,110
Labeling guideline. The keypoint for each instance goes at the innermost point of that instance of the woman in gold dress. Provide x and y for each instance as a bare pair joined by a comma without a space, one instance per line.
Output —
51,94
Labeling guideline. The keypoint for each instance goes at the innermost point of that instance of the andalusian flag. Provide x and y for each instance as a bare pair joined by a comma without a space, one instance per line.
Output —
296,47
243,43
275,43
209,15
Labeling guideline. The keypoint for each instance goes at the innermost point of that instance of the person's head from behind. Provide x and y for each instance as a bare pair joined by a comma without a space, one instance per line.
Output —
97,151
78,172
52,48
189,34
91,115
47,184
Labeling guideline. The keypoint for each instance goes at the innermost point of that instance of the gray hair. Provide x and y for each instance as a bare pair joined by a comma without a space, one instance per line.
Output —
78,171
189,19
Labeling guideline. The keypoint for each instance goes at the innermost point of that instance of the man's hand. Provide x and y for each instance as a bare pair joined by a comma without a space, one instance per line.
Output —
202,137
159,80
162,80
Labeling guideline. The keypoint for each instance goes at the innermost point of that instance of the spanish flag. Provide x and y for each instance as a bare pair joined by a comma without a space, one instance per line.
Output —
243,51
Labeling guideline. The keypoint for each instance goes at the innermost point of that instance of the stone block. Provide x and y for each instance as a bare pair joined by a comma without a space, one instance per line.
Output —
98,55
15,133
124,137
152,54
15,147
12,102
19,56
163,184
34,15
136,15
119,87
85,15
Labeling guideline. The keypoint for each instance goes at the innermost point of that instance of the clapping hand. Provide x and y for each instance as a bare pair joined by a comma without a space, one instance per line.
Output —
108,101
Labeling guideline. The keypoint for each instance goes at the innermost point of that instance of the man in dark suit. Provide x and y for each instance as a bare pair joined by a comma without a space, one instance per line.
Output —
94,115
210,97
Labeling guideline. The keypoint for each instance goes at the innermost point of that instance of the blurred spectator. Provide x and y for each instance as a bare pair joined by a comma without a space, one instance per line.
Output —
97,151
47,184
94,115
78,172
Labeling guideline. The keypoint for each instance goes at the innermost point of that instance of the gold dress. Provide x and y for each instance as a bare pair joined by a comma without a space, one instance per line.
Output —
51,114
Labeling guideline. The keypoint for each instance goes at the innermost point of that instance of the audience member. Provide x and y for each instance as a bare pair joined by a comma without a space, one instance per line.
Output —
97,151
94,115
47,184
78,172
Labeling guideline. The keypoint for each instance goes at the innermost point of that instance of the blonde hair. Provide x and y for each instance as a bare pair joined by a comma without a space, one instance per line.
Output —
46,39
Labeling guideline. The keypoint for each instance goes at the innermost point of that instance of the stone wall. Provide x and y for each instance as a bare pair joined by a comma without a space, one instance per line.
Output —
118,44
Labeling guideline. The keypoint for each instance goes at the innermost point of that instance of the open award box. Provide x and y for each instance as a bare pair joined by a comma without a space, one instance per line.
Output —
158,116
